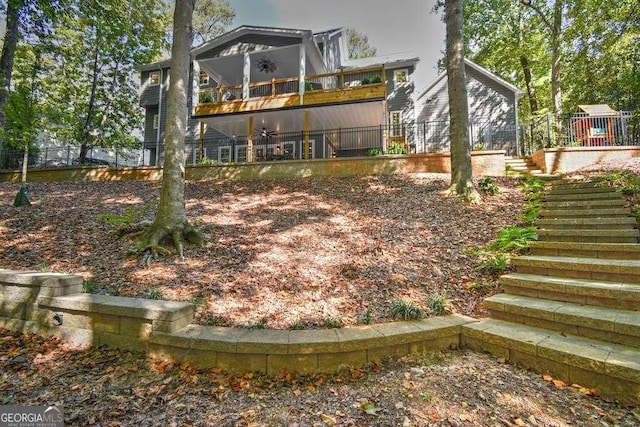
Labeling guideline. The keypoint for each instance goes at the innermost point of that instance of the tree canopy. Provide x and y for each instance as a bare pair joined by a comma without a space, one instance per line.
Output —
358,45
562,52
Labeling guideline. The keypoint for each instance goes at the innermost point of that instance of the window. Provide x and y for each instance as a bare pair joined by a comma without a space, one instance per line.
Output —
154,78
156,121
241,153
395,123
400,76
224,154
312,149
204,78
289,150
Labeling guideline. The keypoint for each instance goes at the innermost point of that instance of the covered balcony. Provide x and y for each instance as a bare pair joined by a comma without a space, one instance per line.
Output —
345,86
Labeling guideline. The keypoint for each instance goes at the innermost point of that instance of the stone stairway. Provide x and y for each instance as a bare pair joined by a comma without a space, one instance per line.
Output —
572,308
523,166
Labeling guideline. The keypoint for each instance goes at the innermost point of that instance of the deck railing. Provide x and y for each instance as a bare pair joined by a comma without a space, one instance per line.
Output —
341,80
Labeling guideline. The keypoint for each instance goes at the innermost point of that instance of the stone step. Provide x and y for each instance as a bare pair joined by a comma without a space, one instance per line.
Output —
586,250
589,236
582,213
587,223
584,190
550,197
560,185
614,370
601,323
599,293
584,204
627,271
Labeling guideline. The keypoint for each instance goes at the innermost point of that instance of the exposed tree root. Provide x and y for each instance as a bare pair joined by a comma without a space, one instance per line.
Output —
467,193
150,237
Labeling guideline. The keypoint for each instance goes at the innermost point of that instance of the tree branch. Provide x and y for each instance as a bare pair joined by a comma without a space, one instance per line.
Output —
536,9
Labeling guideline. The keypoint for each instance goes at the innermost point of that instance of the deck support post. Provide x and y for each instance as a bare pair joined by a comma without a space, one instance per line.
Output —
306,135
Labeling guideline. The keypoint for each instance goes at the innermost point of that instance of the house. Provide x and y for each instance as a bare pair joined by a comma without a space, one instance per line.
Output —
493,112
262,93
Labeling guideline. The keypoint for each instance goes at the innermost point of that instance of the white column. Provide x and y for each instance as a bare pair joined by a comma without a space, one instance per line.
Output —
246,76
303,65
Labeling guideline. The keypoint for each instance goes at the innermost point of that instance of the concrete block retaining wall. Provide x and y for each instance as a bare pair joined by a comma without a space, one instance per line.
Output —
37,302
484,163
569,159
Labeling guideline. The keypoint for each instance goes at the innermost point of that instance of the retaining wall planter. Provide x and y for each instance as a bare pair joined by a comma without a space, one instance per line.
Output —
53,304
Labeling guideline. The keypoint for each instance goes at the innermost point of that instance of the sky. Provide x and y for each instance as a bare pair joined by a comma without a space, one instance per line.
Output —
393,26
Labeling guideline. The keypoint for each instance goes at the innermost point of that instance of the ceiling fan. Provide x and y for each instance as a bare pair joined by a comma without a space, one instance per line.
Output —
264,133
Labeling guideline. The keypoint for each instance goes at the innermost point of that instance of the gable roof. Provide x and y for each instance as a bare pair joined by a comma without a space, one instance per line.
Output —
596,109
468,63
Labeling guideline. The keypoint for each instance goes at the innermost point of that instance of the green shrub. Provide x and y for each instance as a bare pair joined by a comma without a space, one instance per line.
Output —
90,286
488,185
205,98
207,161
396,148
437,303
332,323
154,293
367,316
406,310
375,151
514,239
376,79
491,261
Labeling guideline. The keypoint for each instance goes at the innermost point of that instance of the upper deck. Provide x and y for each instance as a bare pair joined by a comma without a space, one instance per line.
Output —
344,86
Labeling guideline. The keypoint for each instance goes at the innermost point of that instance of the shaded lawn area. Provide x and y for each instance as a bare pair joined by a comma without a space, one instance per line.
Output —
280,253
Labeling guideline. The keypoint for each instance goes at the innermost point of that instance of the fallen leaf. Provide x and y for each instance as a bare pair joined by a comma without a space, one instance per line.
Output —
328,420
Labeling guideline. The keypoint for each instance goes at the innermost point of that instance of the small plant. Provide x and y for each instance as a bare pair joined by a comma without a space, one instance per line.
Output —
437,303
205,98
332,323
426,397
376,79
514,239
375,151
154,294
365,81
262,323
207,161
198,301
298,325
396,148
531,212
45,268
478,146
480,287
90,286
531,185
125,222
488,185
406,310
492,261
213,320
367,316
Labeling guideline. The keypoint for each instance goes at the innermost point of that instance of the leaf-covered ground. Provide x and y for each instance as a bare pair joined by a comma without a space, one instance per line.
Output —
102,387
281,253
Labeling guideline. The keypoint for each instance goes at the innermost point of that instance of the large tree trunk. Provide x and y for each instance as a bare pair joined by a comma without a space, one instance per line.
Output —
86,128
556,89
461,175
528,81
171,219
11,37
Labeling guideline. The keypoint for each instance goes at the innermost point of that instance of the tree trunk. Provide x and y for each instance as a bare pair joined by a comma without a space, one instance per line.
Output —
11,37
461,175
531,90
86,129
556,89
171,219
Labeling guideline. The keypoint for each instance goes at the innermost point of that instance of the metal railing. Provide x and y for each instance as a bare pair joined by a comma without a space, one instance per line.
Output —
341,80
581,130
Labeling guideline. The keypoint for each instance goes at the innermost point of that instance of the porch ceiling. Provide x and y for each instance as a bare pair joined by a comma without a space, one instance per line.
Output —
292,120
229,69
